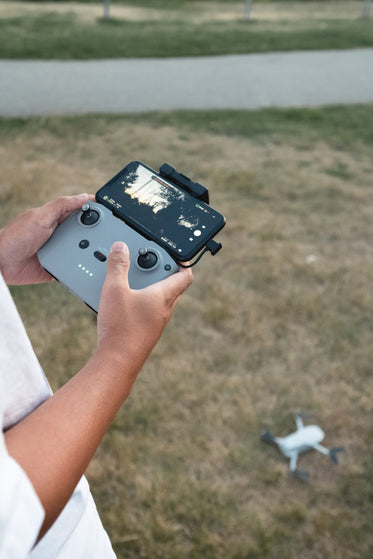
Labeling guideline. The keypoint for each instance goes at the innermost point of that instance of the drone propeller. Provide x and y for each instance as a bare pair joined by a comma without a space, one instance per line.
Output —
333,453
304,414
301,474
267,437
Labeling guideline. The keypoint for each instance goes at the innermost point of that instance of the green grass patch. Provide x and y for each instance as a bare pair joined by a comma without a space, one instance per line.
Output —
344,127
66,36
311,125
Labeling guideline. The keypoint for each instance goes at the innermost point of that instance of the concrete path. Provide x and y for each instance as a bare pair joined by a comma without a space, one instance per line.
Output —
296,79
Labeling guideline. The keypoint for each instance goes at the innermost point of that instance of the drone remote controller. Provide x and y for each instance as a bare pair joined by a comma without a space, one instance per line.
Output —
77,252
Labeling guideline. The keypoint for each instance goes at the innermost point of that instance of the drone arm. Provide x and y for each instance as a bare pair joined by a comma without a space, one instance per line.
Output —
332,453
322,449
300,474
293,461
299,421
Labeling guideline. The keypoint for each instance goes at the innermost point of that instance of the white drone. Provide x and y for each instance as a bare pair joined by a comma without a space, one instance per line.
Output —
304,438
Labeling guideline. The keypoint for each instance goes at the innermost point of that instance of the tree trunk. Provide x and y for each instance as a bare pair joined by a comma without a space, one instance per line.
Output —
106,9
248,6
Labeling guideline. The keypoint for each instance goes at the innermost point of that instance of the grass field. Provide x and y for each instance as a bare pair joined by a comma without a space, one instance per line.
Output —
280,320
66,30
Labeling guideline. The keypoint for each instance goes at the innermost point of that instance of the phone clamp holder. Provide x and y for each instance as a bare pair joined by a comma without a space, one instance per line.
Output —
194,188
197,190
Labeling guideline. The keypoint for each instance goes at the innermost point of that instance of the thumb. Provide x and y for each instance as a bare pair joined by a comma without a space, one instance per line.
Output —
118,262
55,212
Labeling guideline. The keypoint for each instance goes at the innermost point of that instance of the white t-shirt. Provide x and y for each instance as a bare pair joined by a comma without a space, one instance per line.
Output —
78,532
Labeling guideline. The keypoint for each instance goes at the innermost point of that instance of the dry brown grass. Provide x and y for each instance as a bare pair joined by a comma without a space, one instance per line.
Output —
264,331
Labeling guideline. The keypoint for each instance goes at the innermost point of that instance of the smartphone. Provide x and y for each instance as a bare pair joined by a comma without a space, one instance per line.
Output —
160,210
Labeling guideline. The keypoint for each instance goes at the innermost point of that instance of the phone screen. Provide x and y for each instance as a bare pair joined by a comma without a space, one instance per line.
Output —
160,210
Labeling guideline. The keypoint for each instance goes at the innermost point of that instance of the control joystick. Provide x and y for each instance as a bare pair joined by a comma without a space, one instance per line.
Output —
89,217
146,259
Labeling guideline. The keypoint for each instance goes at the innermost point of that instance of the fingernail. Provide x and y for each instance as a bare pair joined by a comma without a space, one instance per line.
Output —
82,196
119,246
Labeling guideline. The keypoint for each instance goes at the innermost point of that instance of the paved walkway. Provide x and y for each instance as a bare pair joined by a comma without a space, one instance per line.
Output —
295,79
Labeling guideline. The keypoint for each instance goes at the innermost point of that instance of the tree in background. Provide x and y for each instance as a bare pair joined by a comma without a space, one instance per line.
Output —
367,4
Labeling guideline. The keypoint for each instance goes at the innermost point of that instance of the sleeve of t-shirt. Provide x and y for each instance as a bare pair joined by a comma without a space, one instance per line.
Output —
21,513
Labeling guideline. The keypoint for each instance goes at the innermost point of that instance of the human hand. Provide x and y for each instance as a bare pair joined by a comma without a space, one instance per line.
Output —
22,238
130,322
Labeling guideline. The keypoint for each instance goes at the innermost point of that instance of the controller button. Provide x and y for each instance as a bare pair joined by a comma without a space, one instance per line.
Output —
101,257
167,267
147,259
84,243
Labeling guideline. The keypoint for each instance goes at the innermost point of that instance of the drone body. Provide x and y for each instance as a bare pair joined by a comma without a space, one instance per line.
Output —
303,439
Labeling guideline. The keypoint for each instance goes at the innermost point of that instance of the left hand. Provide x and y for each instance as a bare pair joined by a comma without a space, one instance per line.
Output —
22,238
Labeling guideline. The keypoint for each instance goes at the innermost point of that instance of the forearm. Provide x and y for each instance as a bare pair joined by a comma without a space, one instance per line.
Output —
56,442
2,259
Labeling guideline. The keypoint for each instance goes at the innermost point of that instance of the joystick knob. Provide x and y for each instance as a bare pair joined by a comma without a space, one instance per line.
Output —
146,259
89,217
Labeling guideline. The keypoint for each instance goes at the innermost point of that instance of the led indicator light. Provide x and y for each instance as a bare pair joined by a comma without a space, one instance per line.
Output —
84,269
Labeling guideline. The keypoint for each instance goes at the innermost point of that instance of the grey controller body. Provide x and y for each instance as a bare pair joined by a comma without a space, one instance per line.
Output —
77,252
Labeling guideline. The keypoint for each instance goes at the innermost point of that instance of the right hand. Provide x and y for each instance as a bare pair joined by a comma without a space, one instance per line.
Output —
130,321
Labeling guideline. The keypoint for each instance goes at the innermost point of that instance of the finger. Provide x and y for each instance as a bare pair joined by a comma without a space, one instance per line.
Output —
118,263
176,284
55,212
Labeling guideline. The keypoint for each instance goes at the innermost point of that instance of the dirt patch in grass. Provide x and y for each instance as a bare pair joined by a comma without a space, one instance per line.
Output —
280,320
